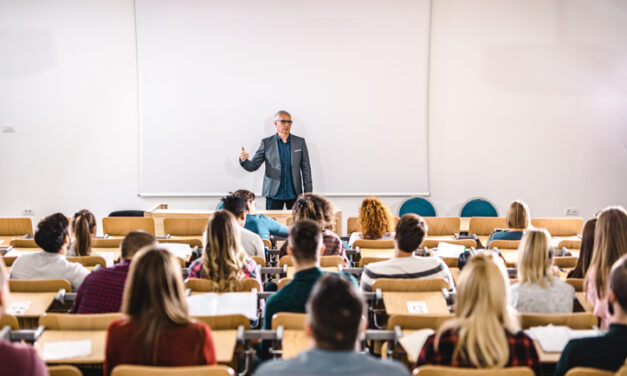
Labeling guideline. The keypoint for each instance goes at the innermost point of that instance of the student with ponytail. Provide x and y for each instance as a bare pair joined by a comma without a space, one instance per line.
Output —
484,333
83,230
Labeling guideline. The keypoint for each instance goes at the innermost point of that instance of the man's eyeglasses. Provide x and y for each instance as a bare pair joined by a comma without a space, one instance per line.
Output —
285,122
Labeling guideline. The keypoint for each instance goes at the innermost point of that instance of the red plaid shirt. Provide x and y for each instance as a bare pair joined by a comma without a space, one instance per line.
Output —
522,352
102,290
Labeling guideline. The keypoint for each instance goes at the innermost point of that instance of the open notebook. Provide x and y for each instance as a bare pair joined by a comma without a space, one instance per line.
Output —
553,339
212,304
412,343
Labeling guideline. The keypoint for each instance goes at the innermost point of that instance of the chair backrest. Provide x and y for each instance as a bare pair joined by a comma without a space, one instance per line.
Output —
461,371
267,243
64,370
559,226
8,261
286,260
478,207
120,226
418,205
483,226
586,371
89,261
504,244
352,225
23,243
288,320
191,242
409,285
129,370
565,261
439,226
577,283
16,226
368,260
451,262
205,285
259,260
433,243
325,261
374,244
106,243
569,244
39,285
415,322
66,321
185,226
578,320
282,282
9,320
224,322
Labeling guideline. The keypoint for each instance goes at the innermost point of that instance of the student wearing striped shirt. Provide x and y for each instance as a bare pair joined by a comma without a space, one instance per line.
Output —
410,231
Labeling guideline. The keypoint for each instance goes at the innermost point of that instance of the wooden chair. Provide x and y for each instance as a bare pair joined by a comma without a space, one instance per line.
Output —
129,370
89,261
282,282
9,320
368,260
352,225
565,262
23,243
66,321
433,243
483,226
409,285
455,371
559,226
325,261
505,244
439,226
225,322
416,322
16,226
205,285
193,226
577,283
586,371
373,244
39,285
451,262
579,320
267,243
106,243
192,242
120,226
8,261
64,370
259,260
289,321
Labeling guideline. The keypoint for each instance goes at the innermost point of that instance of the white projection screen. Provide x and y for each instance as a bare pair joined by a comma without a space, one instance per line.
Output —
353,74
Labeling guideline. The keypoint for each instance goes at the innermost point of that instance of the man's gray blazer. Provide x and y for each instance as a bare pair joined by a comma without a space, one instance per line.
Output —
268,152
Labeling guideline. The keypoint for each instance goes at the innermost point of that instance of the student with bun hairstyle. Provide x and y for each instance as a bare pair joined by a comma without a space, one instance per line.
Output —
538,290
83,229
376,221
585,252
157,328
610,243
518,220
484,332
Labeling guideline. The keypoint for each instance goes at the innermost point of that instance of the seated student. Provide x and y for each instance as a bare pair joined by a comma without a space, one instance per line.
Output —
83,230
305,247
320,210
608,351
102,290
518,219
610,243
157,329
259,223
585,251
52,235
538,289
16,359
485,332
375,221
251,242
223,260
336,314
410,231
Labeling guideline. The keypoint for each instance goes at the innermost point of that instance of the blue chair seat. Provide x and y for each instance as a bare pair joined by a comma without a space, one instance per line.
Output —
479,208
418,205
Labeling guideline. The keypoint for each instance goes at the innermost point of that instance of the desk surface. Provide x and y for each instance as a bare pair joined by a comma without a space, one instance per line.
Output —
396,302
97,338
290,270
294,342
39,302
224,341
373,252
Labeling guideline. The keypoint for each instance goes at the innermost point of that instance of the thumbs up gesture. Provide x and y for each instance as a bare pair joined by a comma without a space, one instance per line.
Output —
243,155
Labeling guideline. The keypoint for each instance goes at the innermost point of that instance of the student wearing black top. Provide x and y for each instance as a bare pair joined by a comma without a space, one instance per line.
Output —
608,351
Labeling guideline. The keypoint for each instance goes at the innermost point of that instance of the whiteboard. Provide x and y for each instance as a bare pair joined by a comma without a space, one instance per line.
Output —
353,74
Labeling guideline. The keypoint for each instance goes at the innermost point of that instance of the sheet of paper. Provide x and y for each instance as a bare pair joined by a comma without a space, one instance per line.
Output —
18,308
107,256
181,250
552,338
449,250
417,307
66,349
413,343
211,304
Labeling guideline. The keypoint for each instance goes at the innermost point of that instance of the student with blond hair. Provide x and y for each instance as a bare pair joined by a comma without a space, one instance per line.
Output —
610,243
83,230
224,262
518,220
157,328
484,332
538,289
375,220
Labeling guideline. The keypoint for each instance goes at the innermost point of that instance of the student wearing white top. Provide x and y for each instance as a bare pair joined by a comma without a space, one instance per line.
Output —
410,231
53,237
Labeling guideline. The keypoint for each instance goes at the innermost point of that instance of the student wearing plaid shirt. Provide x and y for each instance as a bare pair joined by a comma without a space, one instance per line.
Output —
484,332
101,291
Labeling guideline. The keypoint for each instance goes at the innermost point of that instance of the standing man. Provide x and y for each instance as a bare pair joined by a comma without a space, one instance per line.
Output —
288,173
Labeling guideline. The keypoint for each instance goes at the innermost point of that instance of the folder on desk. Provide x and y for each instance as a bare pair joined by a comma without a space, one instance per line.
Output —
212,304
553,339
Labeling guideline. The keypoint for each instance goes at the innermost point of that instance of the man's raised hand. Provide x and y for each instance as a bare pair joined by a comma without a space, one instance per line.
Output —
243,155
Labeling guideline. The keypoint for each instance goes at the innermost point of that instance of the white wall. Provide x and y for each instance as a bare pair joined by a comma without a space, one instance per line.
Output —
528,99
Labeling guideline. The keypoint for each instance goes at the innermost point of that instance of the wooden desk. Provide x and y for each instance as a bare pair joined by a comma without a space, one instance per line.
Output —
583,300
97,338
290,270
294,342
225,342
396,302
39,303
6,239
455,272
373,252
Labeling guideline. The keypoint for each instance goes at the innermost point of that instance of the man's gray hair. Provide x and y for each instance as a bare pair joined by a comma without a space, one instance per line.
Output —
281,112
